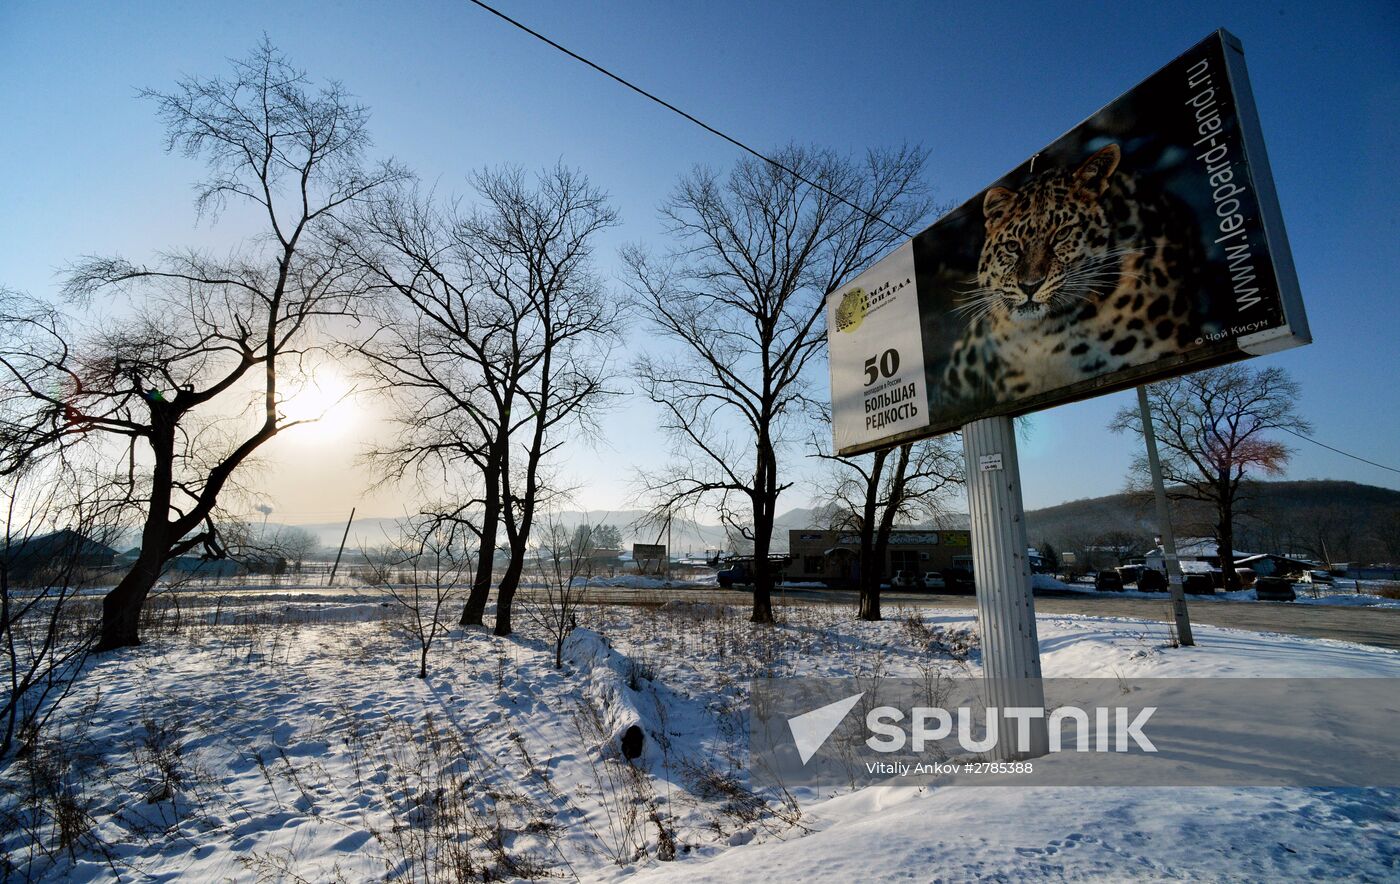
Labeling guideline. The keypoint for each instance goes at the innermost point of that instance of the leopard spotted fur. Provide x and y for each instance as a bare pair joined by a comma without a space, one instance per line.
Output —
1080,274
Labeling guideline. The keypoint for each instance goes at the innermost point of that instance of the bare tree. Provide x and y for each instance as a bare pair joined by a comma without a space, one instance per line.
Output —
53,527
1078,543
1212,432
563,563
445,354
536,243
1386,531
425,572
295,545
741,296
1327,534
186,384
494,339
870,494
259,551
1120,545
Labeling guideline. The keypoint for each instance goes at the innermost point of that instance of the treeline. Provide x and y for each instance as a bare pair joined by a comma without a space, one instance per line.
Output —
149,390
1324,520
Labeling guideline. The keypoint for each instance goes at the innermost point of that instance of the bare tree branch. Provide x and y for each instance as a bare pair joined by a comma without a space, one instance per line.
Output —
741,297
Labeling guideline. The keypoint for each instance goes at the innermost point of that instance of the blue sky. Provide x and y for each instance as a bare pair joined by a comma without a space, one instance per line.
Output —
980,85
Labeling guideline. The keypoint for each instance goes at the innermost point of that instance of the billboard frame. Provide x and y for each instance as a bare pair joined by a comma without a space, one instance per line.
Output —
1293,332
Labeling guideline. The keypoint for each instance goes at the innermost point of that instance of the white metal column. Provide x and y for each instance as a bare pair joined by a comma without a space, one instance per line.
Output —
1001,571
1164,526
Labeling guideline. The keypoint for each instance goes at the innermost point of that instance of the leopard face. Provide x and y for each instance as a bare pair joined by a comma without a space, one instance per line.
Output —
1082,272
1048,245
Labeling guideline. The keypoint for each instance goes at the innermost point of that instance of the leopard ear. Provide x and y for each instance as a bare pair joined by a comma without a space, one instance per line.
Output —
996,204
1094,174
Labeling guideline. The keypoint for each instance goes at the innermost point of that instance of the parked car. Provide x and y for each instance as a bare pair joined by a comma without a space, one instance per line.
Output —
1152,581
933,580
1197,584
1274,589
738,572
1243,579
906,580
958,580
1129,573
1319,577
1108,581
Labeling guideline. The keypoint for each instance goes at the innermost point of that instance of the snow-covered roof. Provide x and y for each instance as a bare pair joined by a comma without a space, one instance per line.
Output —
1197,548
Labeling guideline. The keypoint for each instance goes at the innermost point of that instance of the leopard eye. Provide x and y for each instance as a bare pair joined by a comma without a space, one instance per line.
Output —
1013,247
1063,234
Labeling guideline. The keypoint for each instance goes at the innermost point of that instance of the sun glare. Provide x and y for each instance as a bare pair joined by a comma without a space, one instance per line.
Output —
327,399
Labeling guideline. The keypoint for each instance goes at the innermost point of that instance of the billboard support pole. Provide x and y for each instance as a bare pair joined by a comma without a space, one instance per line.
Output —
1001,573
1164,525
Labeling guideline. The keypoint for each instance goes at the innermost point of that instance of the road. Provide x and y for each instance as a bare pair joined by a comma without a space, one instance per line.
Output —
1368,626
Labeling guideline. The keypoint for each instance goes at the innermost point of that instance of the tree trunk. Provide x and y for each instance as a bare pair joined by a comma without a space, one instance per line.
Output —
879,548
518,532
880,543
869,607
764,504
475,607
121,608
762,574
519,535
505,592
869,588
1226,532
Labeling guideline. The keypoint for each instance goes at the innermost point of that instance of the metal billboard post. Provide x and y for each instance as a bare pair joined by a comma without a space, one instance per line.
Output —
1002,576
1164,525
953,330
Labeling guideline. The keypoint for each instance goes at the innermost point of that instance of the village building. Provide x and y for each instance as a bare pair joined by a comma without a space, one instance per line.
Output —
832,557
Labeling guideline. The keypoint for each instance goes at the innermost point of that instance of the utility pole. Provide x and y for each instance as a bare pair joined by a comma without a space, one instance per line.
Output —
666,555
338,552
1002,576
1164,525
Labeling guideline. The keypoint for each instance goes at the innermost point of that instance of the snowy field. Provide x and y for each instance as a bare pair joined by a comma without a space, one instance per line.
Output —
1344,593
294,744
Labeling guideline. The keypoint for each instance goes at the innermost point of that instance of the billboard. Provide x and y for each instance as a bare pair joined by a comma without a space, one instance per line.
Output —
1145,242
650,557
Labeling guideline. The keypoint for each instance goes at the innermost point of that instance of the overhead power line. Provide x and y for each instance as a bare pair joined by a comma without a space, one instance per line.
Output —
702,124
1339,451
793,172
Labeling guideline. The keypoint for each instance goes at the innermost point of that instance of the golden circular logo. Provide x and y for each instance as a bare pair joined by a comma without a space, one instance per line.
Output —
851,311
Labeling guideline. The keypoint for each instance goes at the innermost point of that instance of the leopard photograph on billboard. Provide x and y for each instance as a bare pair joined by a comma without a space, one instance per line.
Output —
1143,243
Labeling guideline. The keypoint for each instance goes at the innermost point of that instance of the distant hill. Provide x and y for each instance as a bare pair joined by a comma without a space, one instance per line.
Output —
1321,519
1347,519
686,536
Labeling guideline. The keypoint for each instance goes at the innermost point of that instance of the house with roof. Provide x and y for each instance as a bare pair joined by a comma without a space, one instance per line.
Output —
1196,554
60,552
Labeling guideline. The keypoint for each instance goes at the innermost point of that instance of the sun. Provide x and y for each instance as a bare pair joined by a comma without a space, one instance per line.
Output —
326,399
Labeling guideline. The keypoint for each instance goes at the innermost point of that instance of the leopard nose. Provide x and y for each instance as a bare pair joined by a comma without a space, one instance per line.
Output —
1030,286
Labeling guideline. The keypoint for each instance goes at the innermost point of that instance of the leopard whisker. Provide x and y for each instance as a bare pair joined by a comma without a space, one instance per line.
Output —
975,310
1101,274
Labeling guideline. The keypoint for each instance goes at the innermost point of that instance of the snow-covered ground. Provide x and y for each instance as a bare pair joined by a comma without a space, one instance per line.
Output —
639,581
298,746
1345,593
